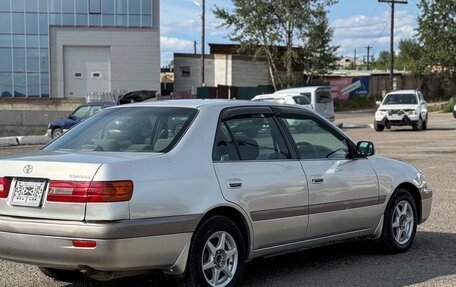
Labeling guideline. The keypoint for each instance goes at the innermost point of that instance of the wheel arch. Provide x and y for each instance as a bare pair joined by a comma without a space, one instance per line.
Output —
415,192
238,218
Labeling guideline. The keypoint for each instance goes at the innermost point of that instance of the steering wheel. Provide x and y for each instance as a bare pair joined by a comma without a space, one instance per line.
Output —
334,151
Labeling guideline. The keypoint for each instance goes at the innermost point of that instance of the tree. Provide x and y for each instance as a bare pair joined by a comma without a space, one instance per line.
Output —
319,54
437,33
382,62
409,58
264,25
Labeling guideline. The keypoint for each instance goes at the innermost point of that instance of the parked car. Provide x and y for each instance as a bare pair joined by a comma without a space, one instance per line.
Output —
193,188
291,98
454,111
402,108
60,126
320,99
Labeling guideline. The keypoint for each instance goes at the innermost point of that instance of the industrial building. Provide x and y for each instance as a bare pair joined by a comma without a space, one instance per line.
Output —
70,48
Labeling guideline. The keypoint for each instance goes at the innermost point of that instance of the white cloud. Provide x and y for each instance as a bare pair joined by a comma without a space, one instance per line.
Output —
359,31
175,44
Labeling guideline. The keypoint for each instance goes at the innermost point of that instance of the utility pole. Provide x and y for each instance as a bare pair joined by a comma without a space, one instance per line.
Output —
368,55
392,4
354,61
194,47
203,41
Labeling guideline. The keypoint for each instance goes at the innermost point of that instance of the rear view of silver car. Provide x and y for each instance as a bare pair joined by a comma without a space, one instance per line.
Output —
197,188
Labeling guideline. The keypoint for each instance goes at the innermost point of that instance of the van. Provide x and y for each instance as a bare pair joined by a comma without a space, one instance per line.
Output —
290,98
320,99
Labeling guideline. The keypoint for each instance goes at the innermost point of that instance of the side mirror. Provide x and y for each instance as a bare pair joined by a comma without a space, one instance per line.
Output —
423,102
365,149
378,103
70,116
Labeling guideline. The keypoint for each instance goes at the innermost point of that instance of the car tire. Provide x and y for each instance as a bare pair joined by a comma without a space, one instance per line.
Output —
217,249
62,275
57,132
379,127
418,126
399,224
425,123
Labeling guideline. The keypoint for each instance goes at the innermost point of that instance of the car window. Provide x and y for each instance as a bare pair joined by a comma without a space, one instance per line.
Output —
400,99
324,96
94,109
151,129
254,137
302,100
314,139
81,112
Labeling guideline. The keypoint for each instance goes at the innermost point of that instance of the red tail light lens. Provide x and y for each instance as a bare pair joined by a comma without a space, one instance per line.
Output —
84,192
5,184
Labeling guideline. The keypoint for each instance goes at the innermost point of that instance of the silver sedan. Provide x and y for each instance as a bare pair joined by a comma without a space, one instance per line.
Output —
197,188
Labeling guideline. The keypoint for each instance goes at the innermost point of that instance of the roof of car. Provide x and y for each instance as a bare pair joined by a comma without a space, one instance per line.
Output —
302,89
402,92
99,104
201,103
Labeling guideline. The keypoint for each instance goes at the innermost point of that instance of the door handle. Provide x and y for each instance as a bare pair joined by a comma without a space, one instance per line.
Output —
317,179
234,183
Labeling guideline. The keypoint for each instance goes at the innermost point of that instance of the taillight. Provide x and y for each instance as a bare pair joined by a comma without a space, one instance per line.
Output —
5,184
84,192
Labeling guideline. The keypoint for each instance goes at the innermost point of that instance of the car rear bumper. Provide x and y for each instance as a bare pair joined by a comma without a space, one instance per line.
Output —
150,244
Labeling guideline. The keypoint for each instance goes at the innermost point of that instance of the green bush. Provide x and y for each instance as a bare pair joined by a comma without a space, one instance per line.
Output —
448,108
356,103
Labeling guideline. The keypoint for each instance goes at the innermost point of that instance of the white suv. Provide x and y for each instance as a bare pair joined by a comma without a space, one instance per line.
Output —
402,108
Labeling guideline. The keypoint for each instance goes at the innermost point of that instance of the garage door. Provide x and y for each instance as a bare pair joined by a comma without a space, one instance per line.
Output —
86,69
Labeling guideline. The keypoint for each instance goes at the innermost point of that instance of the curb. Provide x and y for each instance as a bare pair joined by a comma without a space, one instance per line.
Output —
24,140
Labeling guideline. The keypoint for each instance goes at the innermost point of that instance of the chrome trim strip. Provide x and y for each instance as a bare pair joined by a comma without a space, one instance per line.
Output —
316,208
105,230
279,213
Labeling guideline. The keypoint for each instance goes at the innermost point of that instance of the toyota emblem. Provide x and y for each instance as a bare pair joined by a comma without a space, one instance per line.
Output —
28,169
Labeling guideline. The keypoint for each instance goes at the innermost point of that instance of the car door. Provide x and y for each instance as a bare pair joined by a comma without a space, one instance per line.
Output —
257,171
423,106
343,191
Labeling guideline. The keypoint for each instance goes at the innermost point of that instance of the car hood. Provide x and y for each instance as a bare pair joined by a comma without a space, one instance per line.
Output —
398,107
64,121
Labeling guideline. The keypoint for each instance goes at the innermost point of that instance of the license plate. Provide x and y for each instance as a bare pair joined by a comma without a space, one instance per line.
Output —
395,118
28,192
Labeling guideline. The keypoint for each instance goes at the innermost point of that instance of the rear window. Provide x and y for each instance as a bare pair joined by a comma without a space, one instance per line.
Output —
140,129
324,96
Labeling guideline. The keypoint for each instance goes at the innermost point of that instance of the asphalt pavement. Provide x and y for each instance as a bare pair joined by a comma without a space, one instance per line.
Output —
431,261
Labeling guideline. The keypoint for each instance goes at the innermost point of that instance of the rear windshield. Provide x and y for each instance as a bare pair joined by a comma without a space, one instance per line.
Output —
303,99
324,96
139,129
400,99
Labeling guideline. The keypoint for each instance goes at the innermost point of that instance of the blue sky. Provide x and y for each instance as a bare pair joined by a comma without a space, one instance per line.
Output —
356,23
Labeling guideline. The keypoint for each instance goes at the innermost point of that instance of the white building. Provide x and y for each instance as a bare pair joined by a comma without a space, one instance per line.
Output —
222,67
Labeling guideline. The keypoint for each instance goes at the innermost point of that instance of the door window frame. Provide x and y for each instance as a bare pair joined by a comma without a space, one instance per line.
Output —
303,114
235,112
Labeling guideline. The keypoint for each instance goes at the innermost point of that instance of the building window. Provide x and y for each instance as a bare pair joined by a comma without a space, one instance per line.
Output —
96,75
95,7
185,71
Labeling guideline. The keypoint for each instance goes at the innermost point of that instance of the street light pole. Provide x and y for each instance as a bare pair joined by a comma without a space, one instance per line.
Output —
392,3
203,41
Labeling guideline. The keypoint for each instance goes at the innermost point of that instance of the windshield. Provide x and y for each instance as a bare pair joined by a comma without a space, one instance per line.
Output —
141,129
400,99
80,112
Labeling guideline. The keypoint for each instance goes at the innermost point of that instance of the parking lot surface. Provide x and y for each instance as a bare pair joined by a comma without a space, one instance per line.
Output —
430,262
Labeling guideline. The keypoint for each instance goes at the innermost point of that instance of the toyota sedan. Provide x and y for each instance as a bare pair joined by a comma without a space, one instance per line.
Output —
196,188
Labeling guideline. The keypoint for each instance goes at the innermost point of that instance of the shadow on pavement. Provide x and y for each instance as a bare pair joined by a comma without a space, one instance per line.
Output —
354,263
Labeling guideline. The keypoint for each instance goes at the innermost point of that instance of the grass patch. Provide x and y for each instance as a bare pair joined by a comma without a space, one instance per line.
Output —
448,107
